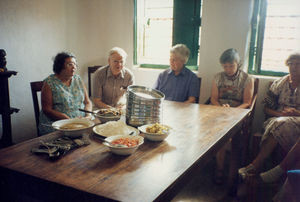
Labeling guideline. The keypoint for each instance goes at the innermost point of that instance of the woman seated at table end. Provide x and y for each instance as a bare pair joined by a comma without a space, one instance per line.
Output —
63,93
230,88
282,104
178,83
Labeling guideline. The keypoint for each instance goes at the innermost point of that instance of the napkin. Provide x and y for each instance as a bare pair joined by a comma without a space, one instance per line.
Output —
60,146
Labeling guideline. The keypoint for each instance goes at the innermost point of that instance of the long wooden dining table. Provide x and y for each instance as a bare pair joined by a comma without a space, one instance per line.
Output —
155,172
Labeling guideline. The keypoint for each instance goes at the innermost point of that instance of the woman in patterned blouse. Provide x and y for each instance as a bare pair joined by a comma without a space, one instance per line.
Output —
282,104
63,93
231,87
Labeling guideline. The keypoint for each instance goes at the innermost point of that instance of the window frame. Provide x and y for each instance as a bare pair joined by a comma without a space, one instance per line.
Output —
257,39
193,67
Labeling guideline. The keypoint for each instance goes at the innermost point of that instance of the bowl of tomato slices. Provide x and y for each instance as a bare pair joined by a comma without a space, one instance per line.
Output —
123,144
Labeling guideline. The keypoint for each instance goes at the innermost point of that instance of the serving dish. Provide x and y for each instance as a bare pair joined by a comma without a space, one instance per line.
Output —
105,115
155,136
123,150
114,128
74,127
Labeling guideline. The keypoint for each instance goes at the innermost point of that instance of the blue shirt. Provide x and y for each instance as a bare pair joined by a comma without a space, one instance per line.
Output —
178,88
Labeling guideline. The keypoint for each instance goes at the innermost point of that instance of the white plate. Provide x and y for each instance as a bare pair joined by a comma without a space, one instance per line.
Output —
99,128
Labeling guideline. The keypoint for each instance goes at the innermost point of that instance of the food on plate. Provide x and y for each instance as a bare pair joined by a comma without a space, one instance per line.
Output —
157,128
126,141
110,112
113,128
73,126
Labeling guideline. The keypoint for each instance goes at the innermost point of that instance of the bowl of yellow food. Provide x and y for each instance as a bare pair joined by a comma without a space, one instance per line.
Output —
155,132
123,144
74,127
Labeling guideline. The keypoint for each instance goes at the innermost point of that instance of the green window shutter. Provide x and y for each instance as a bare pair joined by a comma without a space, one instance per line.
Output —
186,23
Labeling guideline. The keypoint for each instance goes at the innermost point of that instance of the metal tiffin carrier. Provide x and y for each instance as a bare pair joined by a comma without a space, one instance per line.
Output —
143,106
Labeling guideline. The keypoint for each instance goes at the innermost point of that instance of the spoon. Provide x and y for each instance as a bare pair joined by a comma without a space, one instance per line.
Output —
48,125
83,110
114,145
108,142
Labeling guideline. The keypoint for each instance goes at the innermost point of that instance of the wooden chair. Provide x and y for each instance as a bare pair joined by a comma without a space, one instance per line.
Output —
244,139
36,86
247,125
91,70
197,99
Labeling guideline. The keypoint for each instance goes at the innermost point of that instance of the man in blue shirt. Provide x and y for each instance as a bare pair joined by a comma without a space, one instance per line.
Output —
178,83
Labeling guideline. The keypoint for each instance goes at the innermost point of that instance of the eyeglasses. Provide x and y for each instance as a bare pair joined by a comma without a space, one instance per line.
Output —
293,63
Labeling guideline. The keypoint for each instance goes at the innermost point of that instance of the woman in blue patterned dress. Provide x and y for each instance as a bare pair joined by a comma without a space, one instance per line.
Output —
63,93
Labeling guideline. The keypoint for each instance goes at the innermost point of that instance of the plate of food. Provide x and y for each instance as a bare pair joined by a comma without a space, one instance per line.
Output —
112,128
155,132
73,127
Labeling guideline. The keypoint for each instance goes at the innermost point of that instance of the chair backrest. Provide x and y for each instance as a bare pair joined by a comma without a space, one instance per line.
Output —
36,86
255,91
197,99
91,70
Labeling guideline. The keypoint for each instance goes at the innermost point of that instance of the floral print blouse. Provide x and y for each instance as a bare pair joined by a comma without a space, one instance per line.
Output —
66,99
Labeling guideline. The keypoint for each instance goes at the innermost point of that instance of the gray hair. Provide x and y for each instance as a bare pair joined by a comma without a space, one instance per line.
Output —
230,56
181,51
119,51
294,56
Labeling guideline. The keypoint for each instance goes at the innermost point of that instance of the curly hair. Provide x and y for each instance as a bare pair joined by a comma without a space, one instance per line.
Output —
59,61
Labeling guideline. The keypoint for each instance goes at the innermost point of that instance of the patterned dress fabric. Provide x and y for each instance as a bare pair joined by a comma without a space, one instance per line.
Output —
66,99
286,130
231,89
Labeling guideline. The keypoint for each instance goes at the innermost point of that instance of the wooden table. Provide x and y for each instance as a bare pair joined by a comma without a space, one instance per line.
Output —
155,172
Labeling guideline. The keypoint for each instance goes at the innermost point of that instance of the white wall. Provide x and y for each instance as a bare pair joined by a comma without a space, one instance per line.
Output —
33,31
96,26
225,24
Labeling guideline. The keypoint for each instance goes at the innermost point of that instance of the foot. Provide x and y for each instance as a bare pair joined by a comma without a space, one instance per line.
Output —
247,171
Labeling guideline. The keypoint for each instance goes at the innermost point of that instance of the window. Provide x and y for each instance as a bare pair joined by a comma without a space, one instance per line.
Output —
160,24
275,35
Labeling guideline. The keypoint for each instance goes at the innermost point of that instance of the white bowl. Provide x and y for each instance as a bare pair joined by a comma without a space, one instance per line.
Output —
74,132
123,150
106,117
154,136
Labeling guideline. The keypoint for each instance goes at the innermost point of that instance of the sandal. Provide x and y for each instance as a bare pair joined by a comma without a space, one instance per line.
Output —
247,171
218,178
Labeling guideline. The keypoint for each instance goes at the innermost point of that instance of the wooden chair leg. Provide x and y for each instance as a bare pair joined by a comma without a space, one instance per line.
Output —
256,138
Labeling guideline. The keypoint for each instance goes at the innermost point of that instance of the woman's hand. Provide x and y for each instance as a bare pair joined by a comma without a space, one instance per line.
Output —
290,111
225,105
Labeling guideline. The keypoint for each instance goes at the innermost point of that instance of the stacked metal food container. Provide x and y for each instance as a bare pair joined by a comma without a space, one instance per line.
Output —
144,105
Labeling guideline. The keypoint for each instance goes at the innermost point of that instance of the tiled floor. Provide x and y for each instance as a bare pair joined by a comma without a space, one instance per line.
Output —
202,189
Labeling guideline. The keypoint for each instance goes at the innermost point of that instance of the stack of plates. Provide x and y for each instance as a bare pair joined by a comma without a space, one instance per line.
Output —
144,105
